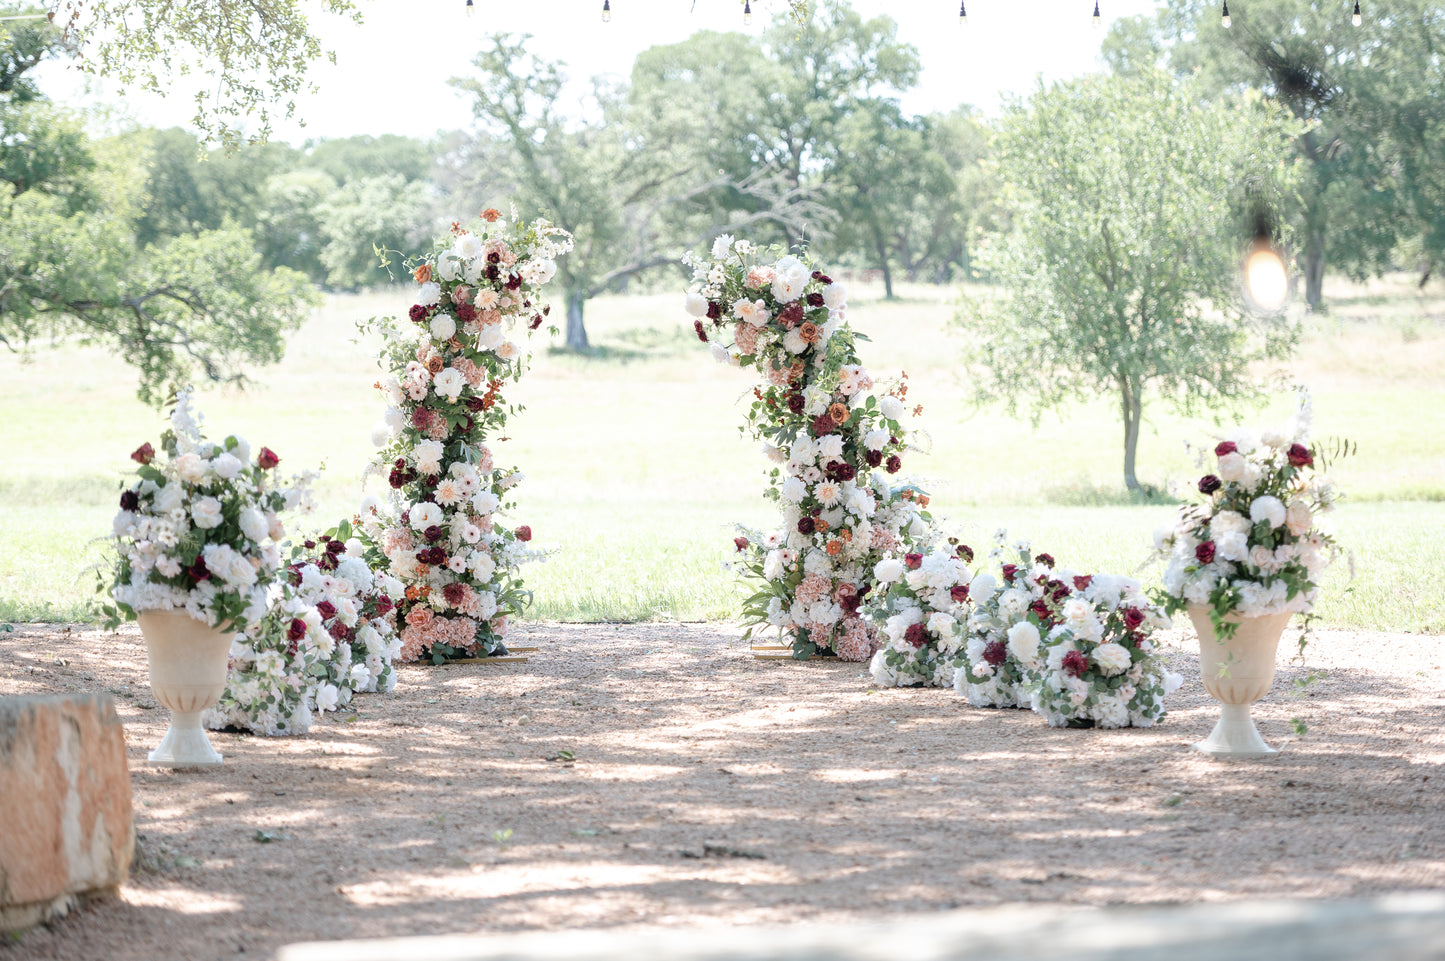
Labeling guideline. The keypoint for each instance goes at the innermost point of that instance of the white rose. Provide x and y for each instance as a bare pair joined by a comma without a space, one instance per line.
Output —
794,342
695,304
485,502
443,327
490,337
227,466
167,499
875,439
190,467
891,407
449,383
835,295
429,294
1267,508
1298,517
1112,658
424,515
449,267
940,624
254,524
1023,643
1233,467
207,513
327,697
888,570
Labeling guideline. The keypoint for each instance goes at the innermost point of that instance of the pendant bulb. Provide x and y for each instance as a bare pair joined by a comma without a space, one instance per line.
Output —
1224,21
471,8
747,12
962,14
1097,19
606,11
1356,18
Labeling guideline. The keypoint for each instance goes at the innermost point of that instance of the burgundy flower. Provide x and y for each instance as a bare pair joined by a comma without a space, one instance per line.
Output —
965,553
701,334
916,635
466,313
823,425
417,313
339,631
198,571
913,561
821,277
894,465
295,570
1009,572
741,543
995,653
959,593
514,282
1133,617
421,418
143,454
433,534
805,525
1075,663
815,300
296,629
795,403
129,501
335,547
524,533
1300,456
1060,591
309,544
326,609
397,479
874,458
536,322
327,561
494,257
454,593
1045,559
714,310
1040,608
1205,552
792,314
1209,483
384,605
1225,447
267,459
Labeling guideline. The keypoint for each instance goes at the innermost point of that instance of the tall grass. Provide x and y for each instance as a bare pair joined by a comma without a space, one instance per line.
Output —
637,470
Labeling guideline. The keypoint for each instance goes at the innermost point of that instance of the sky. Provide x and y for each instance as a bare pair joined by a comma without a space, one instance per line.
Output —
392,71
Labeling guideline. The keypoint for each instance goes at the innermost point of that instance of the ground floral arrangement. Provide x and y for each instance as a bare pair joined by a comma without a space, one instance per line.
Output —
835,446
437,531
1254,547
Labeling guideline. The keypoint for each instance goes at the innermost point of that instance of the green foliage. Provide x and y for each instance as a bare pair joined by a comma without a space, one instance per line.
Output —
386,211
1119,276
256,54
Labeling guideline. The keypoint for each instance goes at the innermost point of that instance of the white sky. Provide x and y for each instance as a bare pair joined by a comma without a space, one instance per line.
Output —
392,71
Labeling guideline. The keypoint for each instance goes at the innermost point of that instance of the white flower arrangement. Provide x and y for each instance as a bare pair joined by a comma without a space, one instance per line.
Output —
1075,648
831,441
922,610
198,530
1255,546
270,682
438,532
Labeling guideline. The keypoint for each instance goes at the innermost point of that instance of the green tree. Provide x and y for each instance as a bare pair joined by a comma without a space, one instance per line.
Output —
386,211
1372,97
71,266
1119,276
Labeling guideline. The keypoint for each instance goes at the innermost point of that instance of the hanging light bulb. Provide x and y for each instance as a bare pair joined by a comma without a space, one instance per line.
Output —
1266,282
471,8
606,11
962,14
747,13
1356,19
1224,21
1097,19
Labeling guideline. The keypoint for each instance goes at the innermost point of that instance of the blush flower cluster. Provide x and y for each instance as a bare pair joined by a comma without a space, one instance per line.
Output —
835,445
922,607
439,530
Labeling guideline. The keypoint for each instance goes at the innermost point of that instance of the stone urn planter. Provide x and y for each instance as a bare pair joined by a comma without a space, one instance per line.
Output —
1237,672
188,660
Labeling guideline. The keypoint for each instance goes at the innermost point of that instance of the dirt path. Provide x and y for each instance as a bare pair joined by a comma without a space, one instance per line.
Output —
710,787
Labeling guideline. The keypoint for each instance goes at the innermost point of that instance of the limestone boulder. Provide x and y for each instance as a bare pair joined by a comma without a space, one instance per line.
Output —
66,833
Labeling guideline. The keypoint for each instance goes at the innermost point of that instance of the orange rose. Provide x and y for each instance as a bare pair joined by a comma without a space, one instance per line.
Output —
839,413
422,273
809,332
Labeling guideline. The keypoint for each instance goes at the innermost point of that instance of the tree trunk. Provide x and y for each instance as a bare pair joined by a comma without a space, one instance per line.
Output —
1314,267
576,331
1132,407
881,245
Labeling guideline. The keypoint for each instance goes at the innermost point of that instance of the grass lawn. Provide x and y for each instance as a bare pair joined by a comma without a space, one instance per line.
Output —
636,470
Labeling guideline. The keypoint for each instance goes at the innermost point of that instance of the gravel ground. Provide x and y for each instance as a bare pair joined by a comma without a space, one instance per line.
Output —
708,787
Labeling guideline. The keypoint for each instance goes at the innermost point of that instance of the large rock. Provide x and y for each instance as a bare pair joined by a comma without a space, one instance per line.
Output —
65,814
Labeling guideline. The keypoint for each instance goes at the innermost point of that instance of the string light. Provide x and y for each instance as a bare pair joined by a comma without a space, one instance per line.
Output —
1266,281
471,8
1097,19
1224,21
962,14
1356,19
747,12
606,11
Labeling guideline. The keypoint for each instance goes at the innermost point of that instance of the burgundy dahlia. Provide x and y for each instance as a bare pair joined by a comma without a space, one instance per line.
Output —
913,561
296,629
1209,483
805,525
433,534
795,403
454,593
815,300
335,547
995,653
916,635
417,313
1300,456
129,501
326,609
1205,552
1075,663
894,465
959,593
873,458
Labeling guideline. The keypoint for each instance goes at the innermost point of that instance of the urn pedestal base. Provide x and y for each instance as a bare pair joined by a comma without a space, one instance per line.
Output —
188,675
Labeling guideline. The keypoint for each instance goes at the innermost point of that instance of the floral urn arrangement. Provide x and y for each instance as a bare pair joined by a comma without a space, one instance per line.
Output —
195,551
1243,561
439,530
